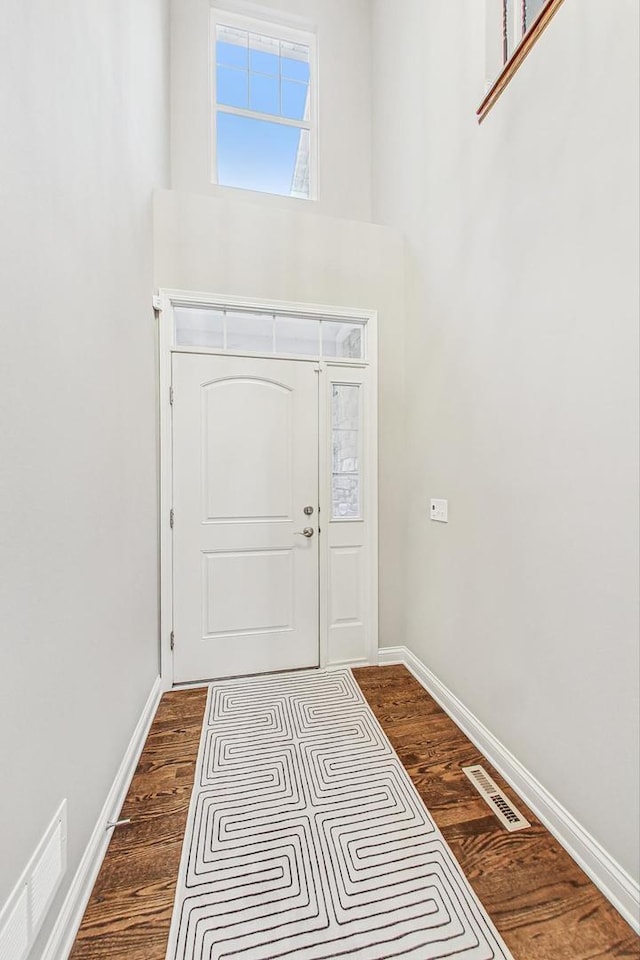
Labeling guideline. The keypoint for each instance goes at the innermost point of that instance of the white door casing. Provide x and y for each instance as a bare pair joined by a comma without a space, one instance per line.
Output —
346,545
245,465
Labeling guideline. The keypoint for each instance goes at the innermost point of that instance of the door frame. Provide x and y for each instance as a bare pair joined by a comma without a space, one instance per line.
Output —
164,303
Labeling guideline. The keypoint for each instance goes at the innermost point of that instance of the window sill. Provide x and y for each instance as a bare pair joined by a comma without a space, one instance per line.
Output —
281,200
518,57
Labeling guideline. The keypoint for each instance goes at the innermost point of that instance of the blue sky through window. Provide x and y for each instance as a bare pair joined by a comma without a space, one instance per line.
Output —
256,154
270,77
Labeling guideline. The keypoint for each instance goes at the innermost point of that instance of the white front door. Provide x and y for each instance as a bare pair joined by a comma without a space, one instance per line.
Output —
245,467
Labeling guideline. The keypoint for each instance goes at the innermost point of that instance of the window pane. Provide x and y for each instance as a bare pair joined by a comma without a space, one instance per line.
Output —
295,104
250,331
346,498
199,327
345,453
298,335
265,55
301,183
256,154
232,47
532,9
342,340
232,87
265,94
295,61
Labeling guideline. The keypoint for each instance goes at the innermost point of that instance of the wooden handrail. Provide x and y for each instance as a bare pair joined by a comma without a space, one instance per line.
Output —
519,55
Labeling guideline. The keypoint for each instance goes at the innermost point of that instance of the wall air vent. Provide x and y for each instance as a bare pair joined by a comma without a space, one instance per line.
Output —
506,813
23,914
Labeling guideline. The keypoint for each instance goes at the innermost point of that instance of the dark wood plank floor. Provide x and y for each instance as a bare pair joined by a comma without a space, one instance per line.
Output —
129,913
541,902
544,906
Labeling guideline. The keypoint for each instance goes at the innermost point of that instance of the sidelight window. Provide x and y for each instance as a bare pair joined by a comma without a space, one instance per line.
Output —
346,441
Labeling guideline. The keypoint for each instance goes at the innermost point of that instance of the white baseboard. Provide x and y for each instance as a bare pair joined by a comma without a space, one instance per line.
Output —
68,921
614,882
350,664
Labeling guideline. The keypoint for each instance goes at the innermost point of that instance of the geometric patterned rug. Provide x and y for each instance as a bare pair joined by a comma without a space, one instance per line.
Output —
307,840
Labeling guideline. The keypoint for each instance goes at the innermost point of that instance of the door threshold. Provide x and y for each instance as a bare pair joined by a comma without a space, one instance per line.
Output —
195,684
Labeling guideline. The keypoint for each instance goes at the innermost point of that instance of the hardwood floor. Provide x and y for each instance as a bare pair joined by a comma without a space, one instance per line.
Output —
544,906
540,901
129,913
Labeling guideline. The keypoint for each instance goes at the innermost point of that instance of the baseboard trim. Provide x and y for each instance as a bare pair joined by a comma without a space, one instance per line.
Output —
68,921
350,664
614,882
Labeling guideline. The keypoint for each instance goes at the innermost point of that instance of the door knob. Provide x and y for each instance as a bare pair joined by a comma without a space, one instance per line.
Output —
307,532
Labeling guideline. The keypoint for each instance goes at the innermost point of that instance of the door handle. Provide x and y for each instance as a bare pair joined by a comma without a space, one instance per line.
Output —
307,532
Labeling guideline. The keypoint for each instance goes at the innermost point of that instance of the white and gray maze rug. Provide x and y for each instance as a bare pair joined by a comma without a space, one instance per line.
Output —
307,840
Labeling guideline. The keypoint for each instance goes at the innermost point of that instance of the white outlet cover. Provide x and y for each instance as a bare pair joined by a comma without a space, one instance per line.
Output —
440,510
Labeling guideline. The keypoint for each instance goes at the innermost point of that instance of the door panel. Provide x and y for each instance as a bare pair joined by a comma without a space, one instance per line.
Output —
226,577
257,441
245,464
346,586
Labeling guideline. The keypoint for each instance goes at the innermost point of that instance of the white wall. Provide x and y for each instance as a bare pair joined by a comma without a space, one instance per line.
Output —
83,102
522,382
344,61
250,249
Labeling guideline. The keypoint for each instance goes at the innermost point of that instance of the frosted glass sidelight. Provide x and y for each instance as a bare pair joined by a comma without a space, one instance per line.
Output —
342,340
199,327
346,442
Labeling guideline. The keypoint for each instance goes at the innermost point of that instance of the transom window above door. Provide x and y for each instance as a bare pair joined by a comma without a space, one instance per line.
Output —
261,332
264,116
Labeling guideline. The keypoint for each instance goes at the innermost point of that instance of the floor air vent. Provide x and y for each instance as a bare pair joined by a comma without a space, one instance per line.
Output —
506,813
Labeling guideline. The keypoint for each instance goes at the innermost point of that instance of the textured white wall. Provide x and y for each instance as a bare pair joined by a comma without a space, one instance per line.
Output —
522,382
84,105
344,62
225,246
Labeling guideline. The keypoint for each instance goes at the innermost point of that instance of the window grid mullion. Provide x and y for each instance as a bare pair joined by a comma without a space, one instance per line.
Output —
269,117
280,75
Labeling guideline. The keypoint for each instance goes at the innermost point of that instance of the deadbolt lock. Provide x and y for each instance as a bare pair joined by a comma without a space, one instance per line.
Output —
308,511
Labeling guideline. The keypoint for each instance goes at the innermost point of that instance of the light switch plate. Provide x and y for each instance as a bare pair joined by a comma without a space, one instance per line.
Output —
440,510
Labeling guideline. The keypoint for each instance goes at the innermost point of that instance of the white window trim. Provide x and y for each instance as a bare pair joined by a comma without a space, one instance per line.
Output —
281,31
